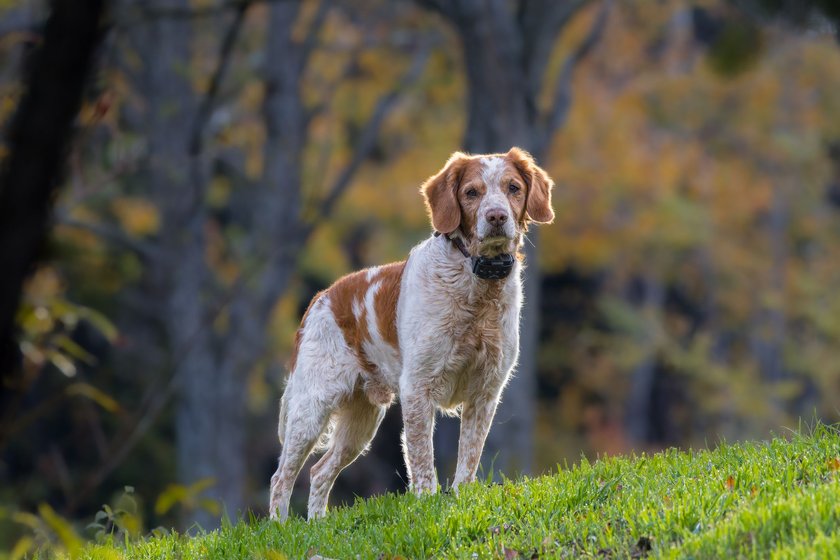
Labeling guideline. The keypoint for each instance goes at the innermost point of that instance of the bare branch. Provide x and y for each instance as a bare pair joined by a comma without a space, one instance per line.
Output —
126,443
443,7
557,114
156,400
141,12
145,250
370,132
171,12
540,22
209,101
315,27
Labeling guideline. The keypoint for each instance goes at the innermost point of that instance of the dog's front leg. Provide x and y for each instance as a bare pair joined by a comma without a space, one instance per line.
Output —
418,423
476,417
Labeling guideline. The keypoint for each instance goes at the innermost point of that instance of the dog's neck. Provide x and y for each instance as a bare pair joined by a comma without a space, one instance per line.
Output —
492,269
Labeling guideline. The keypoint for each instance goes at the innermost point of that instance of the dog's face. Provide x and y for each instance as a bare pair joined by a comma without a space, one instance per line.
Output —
490,198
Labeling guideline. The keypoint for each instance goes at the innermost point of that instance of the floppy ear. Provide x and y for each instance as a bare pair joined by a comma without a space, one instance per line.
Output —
440,192
539,186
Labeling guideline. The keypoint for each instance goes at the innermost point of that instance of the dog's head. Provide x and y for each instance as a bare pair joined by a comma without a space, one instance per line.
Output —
490,199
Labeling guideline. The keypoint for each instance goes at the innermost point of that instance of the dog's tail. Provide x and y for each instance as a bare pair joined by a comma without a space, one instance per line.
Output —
284,413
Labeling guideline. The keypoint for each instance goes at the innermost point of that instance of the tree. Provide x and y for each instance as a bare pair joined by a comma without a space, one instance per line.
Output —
38,142
211,358
507,47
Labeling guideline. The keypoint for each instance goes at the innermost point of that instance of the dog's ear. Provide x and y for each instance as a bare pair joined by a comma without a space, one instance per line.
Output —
539,186
441,194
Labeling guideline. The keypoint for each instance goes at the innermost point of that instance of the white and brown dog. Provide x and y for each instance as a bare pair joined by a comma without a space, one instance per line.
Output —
440,330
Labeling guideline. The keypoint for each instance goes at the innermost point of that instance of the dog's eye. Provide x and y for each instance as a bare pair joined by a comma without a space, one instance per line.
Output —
472,193
513,188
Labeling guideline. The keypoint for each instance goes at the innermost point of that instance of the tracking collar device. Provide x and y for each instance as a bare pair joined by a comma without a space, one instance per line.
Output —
486,268
493,268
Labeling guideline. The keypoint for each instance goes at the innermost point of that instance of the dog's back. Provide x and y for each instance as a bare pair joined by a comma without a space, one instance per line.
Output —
359,314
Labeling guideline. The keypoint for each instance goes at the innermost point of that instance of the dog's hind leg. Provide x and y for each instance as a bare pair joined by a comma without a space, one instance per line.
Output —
356,424
305,422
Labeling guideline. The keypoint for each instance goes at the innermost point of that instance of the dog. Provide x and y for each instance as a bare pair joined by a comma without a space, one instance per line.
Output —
439,331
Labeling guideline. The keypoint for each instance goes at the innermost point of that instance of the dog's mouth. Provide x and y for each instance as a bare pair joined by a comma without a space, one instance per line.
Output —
496,234
495,244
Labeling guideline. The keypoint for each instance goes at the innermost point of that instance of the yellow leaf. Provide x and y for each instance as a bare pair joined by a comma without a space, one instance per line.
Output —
94,394
210,505
62,529
202,485
136,215
21,548
100,321
218,193
174,493
64,364
72,349
27,519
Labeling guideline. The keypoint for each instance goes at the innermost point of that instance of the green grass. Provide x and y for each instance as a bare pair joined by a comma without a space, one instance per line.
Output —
777,499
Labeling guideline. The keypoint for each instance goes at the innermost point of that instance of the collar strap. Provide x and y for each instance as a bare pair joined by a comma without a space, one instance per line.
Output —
486,268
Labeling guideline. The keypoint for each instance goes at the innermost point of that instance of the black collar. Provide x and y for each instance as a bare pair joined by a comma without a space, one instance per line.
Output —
486,268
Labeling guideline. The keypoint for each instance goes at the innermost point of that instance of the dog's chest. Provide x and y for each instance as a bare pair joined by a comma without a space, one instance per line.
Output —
471,342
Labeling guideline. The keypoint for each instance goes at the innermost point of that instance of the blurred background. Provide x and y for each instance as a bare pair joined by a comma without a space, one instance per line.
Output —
226,159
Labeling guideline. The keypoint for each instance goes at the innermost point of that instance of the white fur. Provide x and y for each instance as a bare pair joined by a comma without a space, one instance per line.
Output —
357,309
379,351
458,342
372,272
442,363
492,173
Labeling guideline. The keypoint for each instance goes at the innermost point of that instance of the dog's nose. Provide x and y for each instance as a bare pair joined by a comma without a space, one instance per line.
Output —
496,216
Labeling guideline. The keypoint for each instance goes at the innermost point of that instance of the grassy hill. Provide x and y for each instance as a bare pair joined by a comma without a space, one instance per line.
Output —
777,499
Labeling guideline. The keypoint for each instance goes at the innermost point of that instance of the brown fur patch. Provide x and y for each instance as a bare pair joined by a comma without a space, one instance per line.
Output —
349,292
539,185
385,301
439,192
346,291
471,179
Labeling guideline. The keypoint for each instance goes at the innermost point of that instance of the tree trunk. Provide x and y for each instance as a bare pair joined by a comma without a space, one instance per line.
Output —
506,48
38,140
212,368
515,420
769,326
638,413
179,275
275,242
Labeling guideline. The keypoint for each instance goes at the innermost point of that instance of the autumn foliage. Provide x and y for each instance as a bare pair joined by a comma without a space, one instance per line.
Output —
689,283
